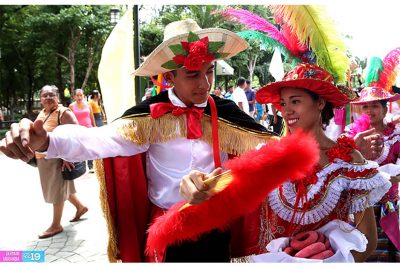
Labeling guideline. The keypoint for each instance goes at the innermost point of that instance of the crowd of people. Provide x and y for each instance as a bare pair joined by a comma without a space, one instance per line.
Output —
166,150
265,114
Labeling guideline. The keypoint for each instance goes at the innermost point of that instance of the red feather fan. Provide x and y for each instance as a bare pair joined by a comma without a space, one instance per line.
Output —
254,175
389,73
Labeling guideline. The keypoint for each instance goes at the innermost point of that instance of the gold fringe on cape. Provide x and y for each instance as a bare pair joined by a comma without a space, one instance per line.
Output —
112,247
143,130
233,139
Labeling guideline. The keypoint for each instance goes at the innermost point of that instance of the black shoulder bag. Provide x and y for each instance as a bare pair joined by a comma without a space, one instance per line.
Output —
79,167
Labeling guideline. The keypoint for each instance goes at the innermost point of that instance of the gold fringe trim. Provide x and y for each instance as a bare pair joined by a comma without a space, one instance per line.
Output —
232,138
244,259
112,247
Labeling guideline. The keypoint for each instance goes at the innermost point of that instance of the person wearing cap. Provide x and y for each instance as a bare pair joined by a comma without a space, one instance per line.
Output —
373,101
147,151
343,181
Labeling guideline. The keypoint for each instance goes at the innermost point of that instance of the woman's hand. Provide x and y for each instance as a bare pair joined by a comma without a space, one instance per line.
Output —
67,165
395,179
193,189
369,143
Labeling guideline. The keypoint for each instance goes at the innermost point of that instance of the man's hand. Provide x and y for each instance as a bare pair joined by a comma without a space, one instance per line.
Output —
369,144
275,120
193,189
23,139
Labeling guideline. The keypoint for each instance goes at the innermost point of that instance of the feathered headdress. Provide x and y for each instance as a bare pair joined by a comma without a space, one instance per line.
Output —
390,69
306,31
380,78
374,70
383,73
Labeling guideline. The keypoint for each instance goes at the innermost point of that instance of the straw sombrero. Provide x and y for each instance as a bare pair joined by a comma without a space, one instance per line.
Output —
306,76
375,93
186,44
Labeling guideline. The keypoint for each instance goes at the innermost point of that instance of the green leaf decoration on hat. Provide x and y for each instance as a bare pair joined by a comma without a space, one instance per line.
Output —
213,47
220,55
177,49
193,37
171,65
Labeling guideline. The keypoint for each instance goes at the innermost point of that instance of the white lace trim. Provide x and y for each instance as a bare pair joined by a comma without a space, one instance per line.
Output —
289,190
377,185
373,196
394,137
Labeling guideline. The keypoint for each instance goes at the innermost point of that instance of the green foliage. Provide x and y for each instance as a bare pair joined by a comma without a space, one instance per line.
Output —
36,40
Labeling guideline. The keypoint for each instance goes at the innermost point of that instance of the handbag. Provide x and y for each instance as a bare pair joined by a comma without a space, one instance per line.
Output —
32,162
78,170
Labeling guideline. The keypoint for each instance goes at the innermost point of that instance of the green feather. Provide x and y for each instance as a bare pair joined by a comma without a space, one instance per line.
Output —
375,67
267,42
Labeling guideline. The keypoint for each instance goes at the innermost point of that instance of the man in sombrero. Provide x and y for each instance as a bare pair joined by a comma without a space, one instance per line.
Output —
152,145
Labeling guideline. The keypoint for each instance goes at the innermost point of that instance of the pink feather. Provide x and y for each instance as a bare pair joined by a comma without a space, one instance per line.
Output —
362,124
389,73
254,22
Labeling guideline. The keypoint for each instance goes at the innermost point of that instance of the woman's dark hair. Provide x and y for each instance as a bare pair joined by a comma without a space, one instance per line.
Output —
95,93
327,111
383,103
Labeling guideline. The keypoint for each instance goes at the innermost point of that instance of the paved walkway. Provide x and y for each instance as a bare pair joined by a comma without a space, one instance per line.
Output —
24,215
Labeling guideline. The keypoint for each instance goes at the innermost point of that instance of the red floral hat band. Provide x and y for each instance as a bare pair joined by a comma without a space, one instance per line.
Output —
193,53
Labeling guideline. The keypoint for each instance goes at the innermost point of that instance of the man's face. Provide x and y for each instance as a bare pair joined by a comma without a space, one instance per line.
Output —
192,87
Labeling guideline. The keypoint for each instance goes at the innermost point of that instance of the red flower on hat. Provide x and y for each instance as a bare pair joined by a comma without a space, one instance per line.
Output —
194,53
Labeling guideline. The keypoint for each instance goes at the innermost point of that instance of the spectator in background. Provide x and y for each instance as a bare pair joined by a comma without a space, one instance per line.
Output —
55,189
147,93
229,93
218,91
239,97
84,114
251,97
1,118
95,103
259,112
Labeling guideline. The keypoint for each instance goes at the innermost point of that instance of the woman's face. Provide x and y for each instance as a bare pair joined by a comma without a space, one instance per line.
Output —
299,110
375,111
48,98
79,96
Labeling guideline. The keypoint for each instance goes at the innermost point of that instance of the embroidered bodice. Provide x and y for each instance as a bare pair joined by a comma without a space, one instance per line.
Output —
390,154
340,188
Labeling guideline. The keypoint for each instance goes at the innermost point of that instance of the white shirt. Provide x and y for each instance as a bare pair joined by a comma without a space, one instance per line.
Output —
166,163
239,95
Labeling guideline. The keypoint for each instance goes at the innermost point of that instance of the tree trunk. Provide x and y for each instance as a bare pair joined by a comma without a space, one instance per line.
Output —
60,83
251,66
30,90
90,65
